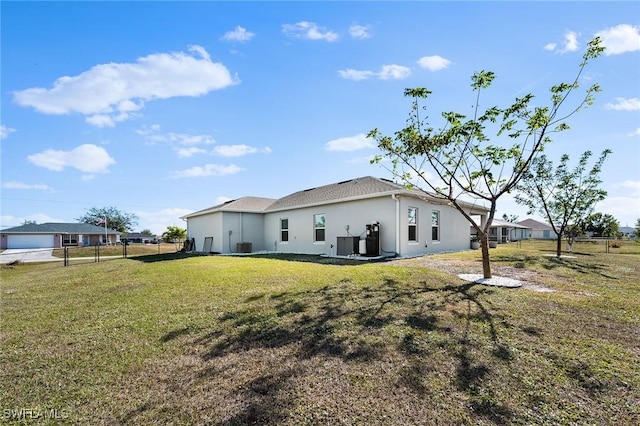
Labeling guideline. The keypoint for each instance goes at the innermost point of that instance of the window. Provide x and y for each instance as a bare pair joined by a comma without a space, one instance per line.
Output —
284,230
70,240
319,225
435,226
412,220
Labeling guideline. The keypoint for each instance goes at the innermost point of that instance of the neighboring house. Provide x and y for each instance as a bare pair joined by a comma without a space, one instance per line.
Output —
137,237
56,235
368,216
539,230
503,232
626,231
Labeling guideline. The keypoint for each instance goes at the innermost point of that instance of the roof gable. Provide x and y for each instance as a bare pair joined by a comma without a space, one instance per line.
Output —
354,188
505,224
535,225
244,204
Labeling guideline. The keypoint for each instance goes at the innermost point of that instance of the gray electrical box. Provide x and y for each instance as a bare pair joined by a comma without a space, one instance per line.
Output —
348,246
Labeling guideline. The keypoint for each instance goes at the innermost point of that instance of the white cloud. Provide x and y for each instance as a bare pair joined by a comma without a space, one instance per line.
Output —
351,74
108,93
189,151
636,133
623,202
237,150
633,187
387,72
11,221
27,186
620,39
394,72
622,104
569,44
238,34
626,209
86,158
434,63
309,31
184,144
157,221
359,31
207,170
5,131
182,139
350,143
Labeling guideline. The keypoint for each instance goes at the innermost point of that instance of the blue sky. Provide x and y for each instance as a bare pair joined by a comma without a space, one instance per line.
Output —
164,108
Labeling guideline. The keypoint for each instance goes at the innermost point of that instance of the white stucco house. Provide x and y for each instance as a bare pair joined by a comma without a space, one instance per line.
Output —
504,232
539,230
367,216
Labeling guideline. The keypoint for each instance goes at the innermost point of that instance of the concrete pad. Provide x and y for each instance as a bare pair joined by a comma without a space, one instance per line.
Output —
28,255
493,281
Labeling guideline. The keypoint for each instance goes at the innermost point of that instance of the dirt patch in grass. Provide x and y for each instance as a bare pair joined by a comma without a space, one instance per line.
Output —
531,280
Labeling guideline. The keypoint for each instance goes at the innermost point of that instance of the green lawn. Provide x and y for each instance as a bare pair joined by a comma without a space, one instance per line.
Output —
287,340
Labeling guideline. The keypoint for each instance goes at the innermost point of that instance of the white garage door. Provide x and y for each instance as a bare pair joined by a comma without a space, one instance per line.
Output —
29,241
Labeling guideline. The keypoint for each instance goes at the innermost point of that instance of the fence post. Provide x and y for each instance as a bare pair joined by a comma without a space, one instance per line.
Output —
65,252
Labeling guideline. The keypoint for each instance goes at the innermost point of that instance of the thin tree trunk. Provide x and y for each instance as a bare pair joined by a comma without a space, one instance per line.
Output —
486,265
559,246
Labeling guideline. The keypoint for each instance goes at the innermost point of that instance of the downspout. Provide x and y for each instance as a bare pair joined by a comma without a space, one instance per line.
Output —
397,200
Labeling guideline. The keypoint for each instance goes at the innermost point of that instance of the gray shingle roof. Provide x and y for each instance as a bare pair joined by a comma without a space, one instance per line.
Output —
535,225
505,224
354,188
58,228
244,204
364,187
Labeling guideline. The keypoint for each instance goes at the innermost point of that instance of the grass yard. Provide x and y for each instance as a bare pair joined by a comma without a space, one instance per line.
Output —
288,340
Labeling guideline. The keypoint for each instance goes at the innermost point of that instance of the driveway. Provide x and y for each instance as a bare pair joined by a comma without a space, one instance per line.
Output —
27,255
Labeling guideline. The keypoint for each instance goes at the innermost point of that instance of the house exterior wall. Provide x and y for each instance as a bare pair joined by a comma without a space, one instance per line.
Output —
354,214
453,229
209,225
518,234
342,219
540,234
245,228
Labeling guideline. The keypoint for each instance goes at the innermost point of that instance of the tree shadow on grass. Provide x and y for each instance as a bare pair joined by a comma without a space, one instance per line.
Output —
552,262
161,257
317,259
580,266
351,323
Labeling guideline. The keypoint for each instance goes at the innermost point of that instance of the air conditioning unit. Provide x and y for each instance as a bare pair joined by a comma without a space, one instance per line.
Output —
244,247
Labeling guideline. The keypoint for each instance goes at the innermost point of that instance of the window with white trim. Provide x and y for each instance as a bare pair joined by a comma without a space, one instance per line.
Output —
412,221
319,227
435,225
284,230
